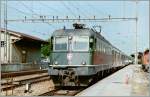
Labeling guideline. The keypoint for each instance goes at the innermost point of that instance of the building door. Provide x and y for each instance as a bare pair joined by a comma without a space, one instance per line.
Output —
24,56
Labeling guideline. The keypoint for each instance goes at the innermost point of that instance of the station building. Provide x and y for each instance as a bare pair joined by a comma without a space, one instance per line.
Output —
17,47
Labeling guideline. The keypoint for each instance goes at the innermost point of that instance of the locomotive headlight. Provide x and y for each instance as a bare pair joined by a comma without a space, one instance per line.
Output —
56,63
91,39
83,63
70,37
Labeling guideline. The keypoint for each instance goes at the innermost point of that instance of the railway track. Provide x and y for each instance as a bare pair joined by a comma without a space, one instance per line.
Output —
15,84
64,91
21,73
73,90
17,79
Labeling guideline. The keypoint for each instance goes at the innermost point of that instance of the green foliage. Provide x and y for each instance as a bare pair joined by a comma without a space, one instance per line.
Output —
46,49
132,55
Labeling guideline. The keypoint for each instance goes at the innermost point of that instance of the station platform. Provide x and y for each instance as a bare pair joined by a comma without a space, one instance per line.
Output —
129,81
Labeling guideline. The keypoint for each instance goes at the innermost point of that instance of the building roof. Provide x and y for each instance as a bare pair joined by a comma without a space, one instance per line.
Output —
24,36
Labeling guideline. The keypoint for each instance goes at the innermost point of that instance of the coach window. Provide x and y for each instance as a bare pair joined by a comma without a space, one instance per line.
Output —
97,46
61,43
110,51
104,49
107,50
80,43
101,48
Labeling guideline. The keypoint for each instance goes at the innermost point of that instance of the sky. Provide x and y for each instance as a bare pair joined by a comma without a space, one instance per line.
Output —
120,33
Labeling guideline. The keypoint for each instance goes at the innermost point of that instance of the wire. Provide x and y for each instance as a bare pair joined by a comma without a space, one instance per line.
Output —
96,9
55,10
22,12
86,11
78,9
30,9
70,11
25,13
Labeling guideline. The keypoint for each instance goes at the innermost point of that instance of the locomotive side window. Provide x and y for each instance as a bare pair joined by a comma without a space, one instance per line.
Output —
91,45
61,43
80,43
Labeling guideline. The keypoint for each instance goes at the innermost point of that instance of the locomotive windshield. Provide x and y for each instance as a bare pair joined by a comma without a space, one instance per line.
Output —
61,43
80,43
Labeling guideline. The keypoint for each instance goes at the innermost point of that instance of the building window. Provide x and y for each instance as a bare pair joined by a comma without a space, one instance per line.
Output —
3,43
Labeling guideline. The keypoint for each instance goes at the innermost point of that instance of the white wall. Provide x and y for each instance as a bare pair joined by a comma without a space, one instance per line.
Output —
6,52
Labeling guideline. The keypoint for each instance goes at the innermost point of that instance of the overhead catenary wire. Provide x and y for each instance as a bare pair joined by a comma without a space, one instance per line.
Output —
97,10
33,12
78,9
20,11
51,8
74,19
70,11
56,20
30,9
26,14
86,10
8,37
89,9
55,10
62,21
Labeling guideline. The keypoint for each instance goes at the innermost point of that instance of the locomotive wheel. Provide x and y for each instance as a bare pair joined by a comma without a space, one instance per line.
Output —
65,81
76,81
94,80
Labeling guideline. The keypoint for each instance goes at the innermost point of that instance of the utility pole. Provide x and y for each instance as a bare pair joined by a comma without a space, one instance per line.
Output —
0,36
5,33
136,34
149,37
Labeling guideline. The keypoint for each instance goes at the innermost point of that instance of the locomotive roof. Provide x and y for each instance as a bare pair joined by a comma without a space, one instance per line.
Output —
67,32
79,32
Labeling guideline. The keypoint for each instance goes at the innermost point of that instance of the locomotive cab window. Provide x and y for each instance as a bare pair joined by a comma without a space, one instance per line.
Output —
61,43
81,43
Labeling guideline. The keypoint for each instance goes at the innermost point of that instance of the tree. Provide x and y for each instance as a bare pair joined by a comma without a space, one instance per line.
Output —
46,49
132,55
140,54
